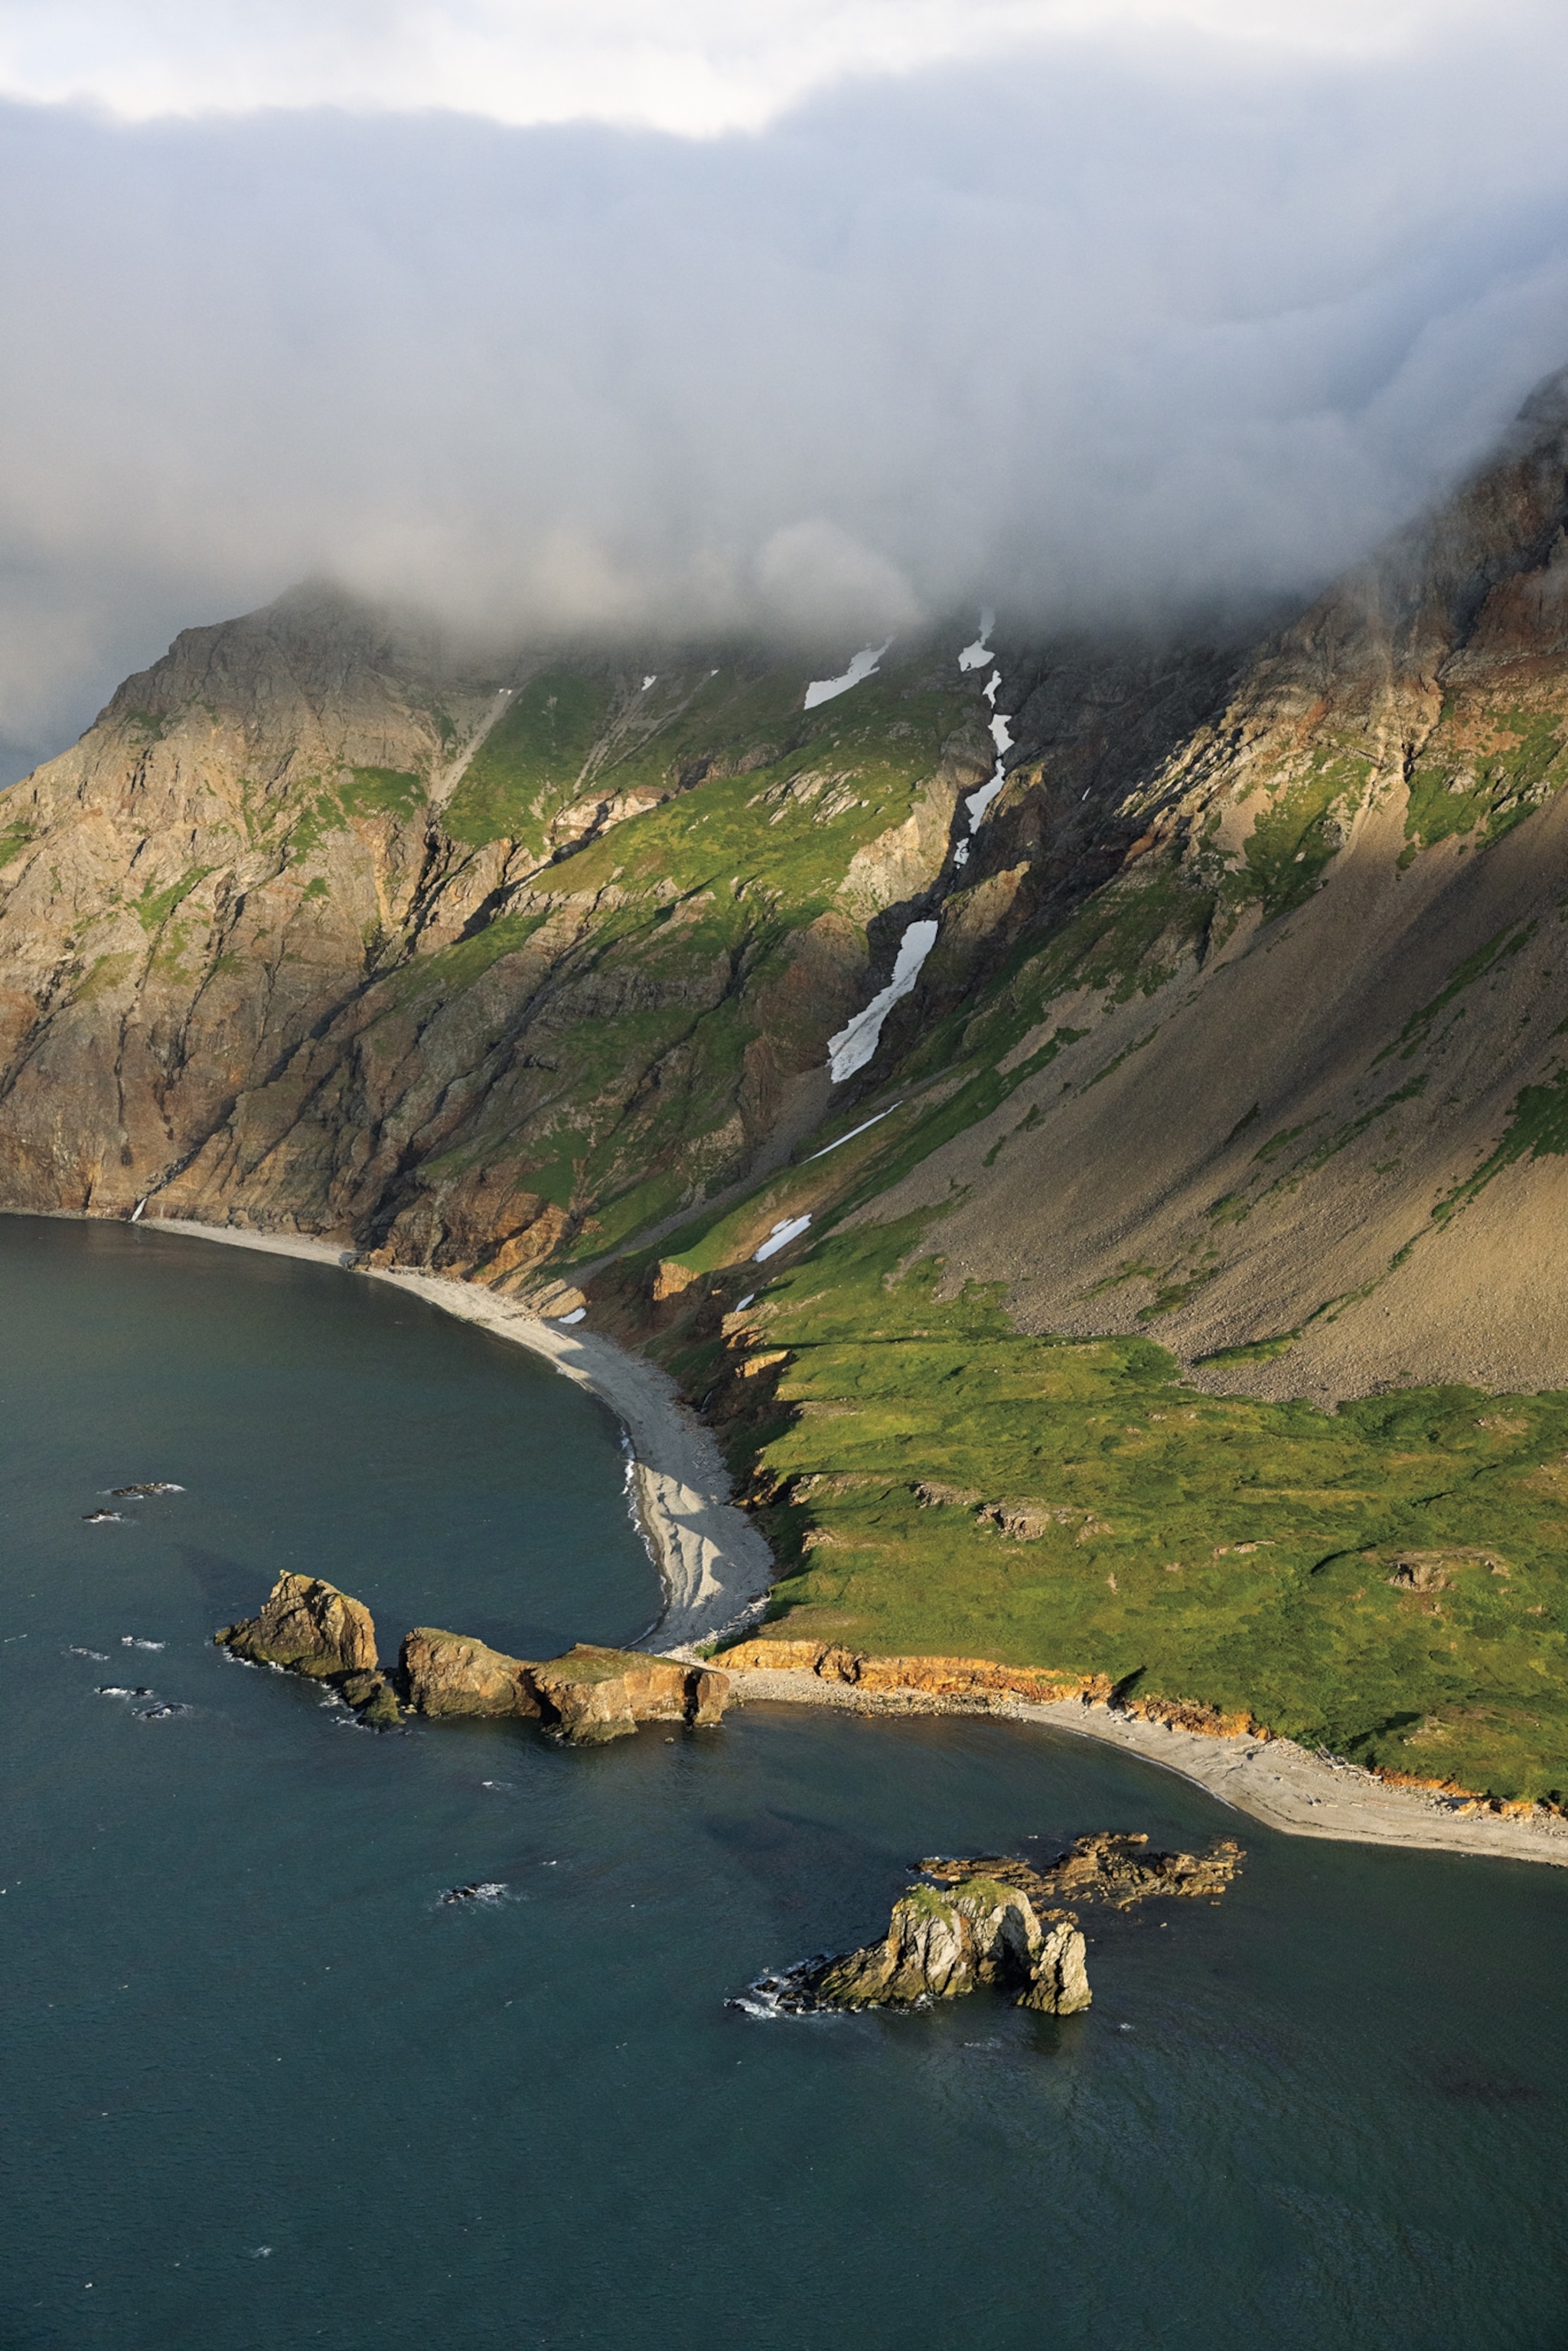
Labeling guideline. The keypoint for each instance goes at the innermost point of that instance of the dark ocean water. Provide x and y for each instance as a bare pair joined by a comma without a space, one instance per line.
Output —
263,2090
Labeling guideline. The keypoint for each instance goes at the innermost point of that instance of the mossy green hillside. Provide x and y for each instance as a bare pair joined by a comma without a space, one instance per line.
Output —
529,766
1388,1581
1302,827
1483,776
568,732
697,906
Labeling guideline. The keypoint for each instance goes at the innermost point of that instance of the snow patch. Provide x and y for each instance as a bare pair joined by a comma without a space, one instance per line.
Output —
575,1315
1002,736
976,655
788,1229
824,689
853,1046
647,681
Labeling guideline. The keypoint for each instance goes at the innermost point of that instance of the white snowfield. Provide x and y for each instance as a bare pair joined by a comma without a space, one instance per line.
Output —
976,655
824,689
853,1046
788,1229
1002,736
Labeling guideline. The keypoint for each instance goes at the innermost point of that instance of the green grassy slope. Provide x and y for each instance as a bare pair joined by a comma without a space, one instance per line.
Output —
1386,1581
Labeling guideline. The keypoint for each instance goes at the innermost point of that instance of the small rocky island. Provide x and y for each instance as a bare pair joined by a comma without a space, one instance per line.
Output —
995,1921
589,1695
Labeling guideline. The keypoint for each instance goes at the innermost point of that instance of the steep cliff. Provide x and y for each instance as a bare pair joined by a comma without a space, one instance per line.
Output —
323,923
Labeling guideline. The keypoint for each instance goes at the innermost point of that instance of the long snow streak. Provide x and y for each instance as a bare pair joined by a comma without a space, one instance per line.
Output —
977,802
853,1046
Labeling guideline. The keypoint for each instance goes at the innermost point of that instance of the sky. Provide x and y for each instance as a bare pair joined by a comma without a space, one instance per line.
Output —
823,317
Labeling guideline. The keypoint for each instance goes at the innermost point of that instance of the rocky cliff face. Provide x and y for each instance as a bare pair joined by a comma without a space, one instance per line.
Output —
494,962
324,925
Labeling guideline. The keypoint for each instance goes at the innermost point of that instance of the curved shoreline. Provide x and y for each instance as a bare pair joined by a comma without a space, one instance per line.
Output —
713,1565
715,1569
1272,1780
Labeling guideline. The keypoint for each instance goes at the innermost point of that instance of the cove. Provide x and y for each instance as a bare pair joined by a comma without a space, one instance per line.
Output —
265,2090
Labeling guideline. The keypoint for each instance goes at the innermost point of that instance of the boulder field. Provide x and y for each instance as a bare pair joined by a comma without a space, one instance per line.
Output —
586,1696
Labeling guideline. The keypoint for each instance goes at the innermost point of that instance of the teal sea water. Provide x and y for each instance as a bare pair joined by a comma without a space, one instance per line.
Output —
263,2091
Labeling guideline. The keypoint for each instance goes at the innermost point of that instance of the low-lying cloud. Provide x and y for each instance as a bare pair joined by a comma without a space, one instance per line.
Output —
1089,333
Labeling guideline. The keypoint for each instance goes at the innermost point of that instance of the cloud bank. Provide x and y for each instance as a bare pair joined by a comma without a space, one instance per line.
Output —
1131,312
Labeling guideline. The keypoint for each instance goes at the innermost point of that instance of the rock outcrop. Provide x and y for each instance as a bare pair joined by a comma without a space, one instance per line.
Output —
585,1696
592,1693
944,1941
308,1626
449,1674
998,1922
588,1695
962,1684
967,1680
374,1699
1106,1867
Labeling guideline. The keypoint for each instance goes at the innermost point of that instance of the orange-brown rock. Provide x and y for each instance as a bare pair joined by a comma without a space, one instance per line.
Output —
1190,1714
308,1626
451,1673
592,1693
956,1678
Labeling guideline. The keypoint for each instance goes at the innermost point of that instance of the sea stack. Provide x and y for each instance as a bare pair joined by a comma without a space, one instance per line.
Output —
945,1941
309,1627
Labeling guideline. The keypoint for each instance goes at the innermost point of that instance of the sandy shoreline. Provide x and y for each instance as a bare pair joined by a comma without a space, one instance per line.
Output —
715,1567
1273,1779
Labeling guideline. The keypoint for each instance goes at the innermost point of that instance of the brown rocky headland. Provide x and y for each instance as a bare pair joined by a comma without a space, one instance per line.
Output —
584,1697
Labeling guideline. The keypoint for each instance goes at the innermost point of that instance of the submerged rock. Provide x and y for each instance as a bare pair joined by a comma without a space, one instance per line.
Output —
451,1673
944,1941
592,1693
309,1627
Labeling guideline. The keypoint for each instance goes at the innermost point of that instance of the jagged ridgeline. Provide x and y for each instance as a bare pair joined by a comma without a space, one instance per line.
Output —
1170,1295
323,921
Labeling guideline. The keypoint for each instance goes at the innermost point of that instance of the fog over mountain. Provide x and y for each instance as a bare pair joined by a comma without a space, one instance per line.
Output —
1087,314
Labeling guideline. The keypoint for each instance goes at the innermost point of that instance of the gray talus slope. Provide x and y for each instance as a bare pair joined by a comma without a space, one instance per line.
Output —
1308,1074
